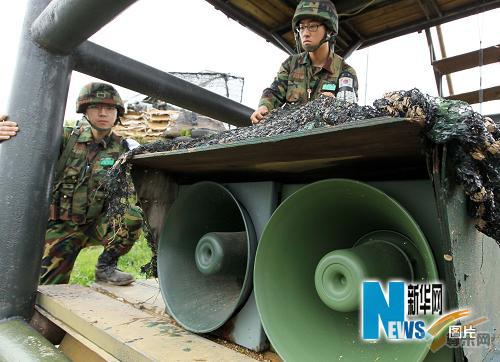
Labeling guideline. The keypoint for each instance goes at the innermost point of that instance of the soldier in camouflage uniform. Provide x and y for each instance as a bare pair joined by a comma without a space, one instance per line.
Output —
77,215
314,71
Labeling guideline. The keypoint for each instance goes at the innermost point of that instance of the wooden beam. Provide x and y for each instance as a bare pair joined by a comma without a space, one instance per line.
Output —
489,94
128,334
467,60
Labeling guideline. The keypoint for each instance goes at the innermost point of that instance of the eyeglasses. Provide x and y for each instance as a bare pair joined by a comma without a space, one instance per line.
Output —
106,107
311,28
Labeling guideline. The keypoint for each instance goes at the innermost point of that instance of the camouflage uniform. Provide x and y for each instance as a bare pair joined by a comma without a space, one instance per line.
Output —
77,217
299,81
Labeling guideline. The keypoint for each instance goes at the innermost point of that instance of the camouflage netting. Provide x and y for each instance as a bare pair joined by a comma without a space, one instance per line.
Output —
474,140
224,84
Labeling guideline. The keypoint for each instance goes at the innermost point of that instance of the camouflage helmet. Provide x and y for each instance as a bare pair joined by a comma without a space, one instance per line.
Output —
99,93
322,10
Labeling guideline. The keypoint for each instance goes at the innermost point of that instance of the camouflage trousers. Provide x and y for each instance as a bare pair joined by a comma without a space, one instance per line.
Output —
64,239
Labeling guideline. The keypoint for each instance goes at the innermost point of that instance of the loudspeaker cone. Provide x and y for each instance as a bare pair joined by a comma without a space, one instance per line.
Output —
221,252
340,273
205,257
317,248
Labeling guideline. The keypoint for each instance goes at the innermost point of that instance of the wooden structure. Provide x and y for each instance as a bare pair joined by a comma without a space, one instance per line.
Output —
306,155
106,323
362,23
477,58
386,153
365,23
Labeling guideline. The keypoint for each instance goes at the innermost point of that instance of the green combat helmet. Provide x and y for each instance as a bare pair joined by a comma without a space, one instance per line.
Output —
322,10
99,93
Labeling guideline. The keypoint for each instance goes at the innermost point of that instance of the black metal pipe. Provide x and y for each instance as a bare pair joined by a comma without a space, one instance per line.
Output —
110,66
65,24
37,103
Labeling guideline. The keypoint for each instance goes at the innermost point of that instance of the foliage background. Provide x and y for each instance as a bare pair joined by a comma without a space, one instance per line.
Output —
83,271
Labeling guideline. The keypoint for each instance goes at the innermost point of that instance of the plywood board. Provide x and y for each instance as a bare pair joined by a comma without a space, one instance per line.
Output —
125,332
391,142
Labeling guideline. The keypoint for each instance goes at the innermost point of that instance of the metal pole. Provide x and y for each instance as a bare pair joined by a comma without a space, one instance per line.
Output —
37,104
65,24
105,64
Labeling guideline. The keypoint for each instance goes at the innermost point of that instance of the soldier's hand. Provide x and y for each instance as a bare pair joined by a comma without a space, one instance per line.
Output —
259,114
328,94
8,129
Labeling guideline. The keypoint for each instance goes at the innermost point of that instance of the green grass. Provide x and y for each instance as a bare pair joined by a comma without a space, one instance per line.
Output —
83,271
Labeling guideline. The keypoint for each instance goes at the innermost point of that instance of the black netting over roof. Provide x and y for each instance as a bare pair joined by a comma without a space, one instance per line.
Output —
473,145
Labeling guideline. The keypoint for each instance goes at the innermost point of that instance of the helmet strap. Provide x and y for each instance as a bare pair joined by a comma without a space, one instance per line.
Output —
328,37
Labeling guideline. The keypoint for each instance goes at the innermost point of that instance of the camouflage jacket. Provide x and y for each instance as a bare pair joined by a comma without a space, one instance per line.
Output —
297,75
78,195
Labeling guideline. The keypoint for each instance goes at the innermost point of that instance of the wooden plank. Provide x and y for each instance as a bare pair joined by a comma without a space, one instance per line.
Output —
383,140
489,94
390,16
74,344
468,60
125,332
144,295
80,352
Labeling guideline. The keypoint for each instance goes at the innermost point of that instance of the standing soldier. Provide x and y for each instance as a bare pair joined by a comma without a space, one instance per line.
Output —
77,216
317,70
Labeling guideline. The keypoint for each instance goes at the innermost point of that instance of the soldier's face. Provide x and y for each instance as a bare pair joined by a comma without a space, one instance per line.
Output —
102,116
308,37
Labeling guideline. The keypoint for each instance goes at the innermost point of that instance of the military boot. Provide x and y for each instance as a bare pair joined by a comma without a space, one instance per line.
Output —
106,271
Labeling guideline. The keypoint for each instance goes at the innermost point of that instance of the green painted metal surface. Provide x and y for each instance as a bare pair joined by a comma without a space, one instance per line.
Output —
320,218
206,225
473,267
340,272
20,342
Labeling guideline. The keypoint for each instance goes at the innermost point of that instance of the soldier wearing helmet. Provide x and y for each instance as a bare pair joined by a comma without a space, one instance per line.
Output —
77,216
315,70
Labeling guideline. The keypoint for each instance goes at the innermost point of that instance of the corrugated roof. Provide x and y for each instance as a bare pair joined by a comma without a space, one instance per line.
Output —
362,23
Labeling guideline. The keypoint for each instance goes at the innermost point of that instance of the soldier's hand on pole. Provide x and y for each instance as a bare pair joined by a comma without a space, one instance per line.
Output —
8,129
259,114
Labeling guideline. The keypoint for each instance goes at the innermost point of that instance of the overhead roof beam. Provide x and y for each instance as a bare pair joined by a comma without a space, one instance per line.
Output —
244,20
356,43
65,24
347,7
418,26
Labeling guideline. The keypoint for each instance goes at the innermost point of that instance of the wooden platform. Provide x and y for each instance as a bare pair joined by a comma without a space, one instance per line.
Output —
379,146
115,328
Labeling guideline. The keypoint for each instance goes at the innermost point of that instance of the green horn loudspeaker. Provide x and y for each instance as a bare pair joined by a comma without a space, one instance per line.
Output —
205,257
315,251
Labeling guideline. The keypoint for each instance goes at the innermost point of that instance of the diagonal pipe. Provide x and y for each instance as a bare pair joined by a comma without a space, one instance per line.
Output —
105,64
